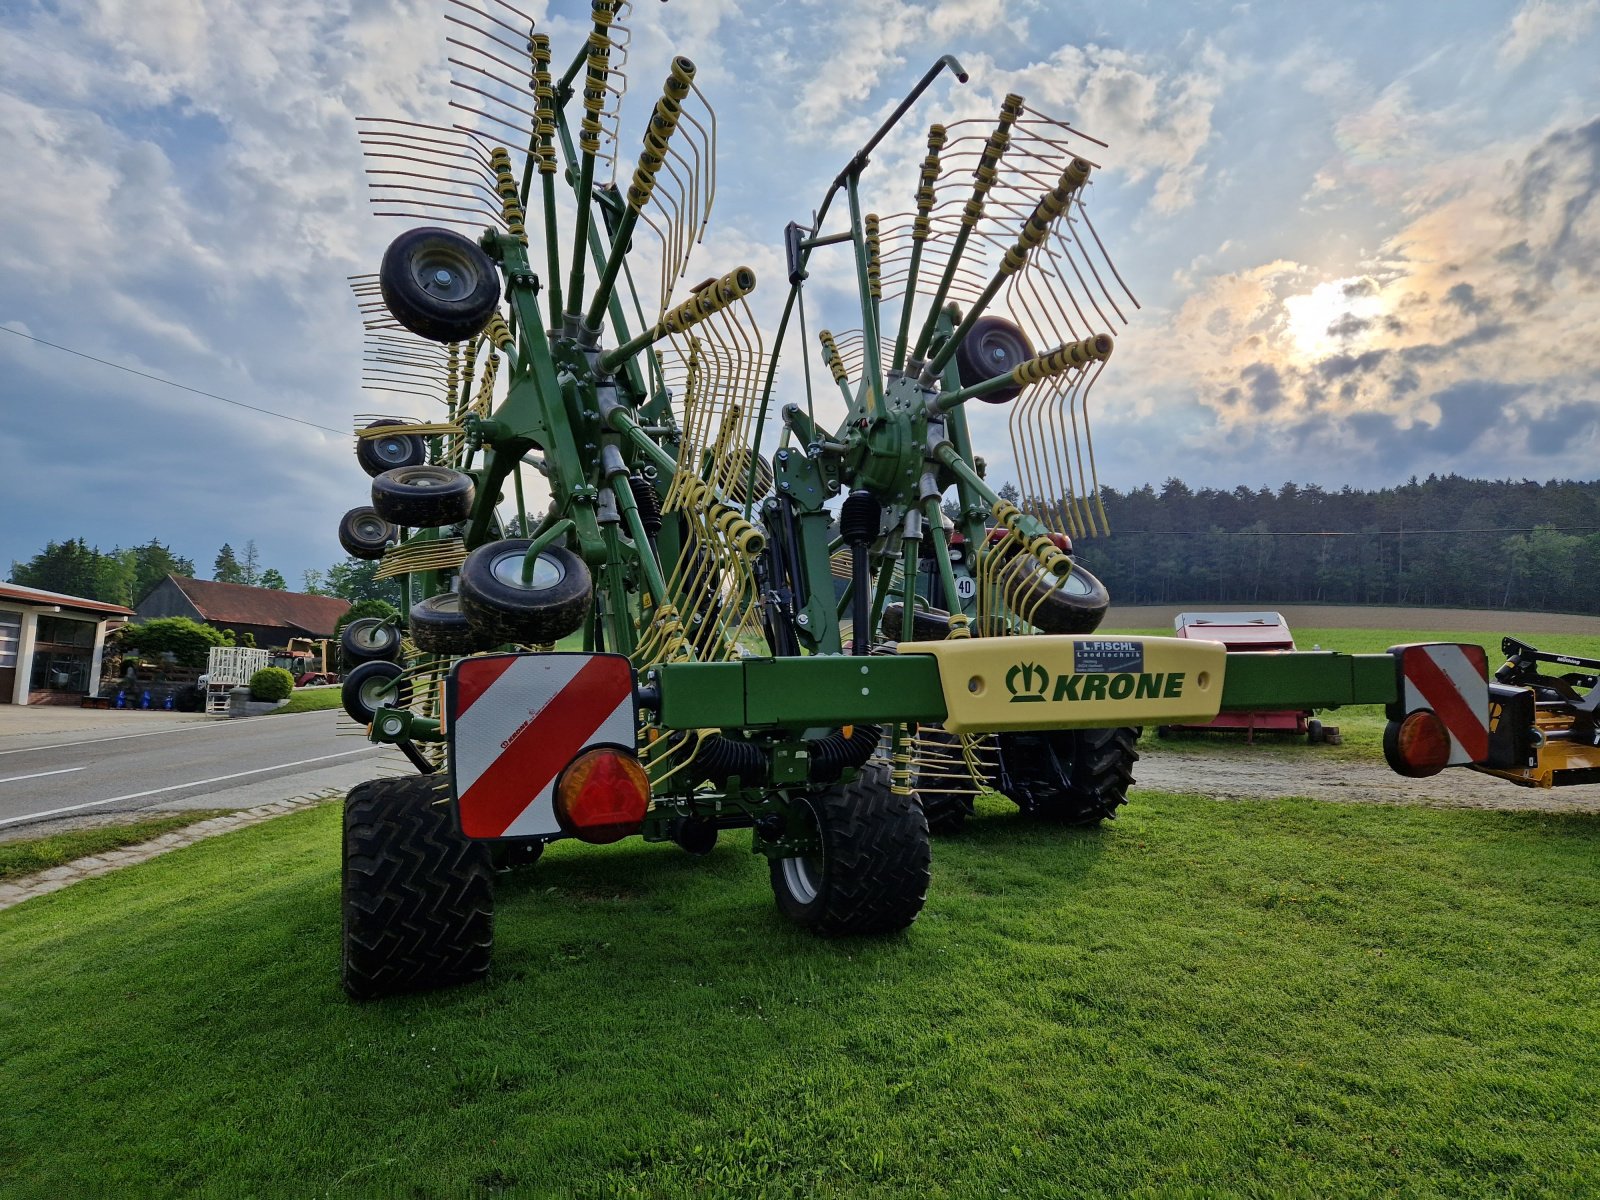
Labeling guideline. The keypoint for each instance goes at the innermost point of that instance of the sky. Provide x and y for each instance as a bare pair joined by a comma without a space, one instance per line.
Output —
1364,236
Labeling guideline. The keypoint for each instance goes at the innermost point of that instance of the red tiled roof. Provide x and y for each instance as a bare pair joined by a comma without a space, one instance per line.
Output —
27,595
238,604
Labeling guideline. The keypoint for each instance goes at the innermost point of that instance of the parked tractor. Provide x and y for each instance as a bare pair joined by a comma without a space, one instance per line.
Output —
702,612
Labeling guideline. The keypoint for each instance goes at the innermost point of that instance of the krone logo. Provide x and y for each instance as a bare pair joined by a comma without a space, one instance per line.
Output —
1027,683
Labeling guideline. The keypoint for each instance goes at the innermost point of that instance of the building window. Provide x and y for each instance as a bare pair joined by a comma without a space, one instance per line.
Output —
10,637
63,651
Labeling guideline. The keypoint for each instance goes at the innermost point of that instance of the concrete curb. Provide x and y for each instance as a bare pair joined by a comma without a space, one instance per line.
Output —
56,878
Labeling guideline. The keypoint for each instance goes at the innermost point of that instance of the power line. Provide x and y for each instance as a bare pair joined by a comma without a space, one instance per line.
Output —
180,386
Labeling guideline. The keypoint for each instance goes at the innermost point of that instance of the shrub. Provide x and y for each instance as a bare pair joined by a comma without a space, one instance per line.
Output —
271,683
188,641
365,608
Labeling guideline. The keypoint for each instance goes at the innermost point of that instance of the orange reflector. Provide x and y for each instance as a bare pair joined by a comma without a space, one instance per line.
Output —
602,795
1418,746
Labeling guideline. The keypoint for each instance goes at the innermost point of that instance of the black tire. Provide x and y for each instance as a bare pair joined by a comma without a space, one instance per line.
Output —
364,534
872,873
369,639
398,449
1313,732
946,809
423,497
993,346
501,608
1076,604
507,856
417,898
1070,776
439,285
371,686
438,626
927,624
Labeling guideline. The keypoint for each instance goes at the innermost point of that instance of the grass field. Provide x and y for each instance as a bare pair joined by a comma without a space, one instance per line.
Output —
26,856
317,699
1262,999
1360,725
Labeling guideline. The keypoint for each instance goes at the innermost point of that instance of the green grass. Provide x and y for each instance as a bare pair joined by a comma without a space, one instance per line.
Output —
1259,999
1360,725
31,855
317,699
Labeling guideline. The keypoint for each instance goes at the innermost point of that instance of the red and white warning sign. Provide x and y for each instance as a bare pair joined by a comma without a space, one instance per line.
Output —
517,720
1452,680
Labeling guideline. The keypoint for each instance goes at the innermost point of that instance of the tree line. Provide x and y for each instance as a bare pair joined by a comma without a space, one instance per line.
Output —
126,576
1442,541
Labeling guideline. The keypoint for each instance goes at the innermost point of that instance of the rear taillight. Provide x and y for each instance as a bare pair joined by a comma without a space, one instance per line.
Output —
1417,746
602,795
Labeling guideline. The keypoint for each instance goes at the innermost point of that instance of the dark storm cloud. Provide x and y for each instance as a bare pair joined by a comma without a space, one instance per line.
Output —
1465,297
1348,326
1562,427
1265,384
1340,365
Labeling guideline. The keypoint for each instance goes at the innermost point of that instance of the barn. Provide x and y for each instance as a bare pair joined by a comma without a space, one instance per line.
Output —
270,616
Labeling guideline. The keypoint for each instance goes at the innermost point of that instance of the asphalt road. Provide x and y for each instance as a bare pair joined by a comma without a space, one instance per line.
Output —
207,764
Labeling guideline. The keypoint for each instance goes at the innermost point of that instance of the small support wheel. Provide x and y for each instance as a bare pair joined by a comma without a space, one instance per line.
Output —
369,639
870,873
439,285
1314,732
423,497
399,449
993,346
438,626
364,534
1069,776
371,686
417,898
502,608
1075,603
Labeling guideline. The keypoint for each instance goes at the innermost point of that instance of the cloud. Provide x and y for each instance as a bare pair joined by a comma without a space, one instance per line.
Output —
1539,22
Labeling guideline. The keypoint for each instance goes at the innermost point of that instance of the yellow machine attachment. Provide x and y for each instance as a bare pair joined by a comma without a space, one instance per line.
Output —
1542,727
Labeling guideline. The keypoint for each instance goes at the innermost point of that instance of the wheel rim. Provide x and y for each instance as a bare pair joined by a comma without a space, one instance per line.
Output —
376,637
372,529
427,477
803,877
393,449
1074,584
444,272
446,604
376,692
507,568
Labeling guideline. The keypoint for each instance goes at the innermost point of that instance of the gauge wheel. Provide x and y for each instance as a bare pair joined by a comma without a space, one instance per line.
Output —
364,534
398,449
369,639
439,285
993,346
371,686
502,608
870,870
438,626
423,496
1075,603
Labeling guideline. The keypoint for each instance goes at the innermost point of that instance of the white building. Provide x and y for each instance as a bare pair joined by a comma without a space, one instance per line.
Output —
51,645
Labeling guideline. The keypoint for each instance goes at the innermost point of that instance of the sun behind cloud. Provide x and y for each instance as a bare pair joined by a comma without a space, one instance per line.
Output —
1329,317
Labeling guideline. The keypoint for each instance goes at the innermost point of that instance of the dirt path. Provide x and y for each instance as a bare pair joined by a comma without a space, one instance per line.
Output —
1246,776
1340,616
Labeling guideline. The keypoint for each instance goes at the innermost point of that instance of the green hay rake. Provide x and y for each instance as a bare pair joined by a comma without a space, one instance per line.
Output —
695,635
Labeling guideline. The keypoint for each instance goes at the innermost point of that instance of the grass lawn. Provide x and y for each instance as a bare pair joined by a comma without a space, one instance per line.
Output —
30,855
1261,999
313,699
1360,725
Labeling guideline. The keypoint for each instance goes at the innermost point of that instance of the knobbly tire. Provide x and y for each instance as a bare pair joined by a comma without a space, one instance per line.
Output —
872,873
417,898
397,449
364,534
423,497
1076,604
502,608
1069,776
438,626
371,686
368,639
927,624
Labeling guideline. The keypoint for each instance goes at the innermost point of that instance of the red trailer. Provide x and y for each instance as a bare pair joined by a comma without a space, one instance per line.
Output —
1249,631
